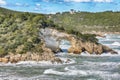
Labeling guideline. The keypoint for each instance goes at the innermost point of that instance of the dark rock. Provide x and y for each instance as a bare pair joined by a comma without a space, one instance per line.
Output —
67,61
107,49
57,60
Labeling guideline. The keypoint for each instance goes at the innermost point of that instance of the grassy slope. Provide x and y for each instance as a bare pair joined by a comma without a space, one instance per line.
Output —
85,21
19,32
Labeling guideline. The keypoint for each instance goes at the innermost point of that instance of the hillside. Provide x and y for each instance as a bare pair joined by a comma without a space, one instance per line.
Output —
85,21
19,32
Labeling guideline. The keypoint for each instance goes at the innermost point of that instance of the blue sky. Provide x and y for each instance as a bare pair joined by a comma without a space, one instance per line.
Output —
53,6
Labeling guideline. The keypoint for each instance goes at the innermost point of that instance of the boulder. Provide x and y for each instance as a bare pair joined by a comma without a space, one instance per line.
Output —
23,57
4,60
14,59
57,60
107,49
88,47
35,57
79,46
98,49
75,50
67,61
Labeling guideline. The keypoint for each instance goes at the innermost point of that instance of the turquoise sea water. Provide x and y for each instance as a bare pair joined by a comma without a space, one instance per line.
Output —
82,67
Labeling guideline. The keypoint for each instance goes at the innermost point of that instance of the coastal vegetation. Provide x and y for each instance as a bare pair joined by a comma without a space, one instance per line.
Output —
19,31
86,21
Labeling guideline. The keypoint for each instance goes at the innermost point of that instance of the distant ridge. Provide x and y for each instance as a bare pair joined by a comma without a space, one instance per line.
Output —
7,11
87,21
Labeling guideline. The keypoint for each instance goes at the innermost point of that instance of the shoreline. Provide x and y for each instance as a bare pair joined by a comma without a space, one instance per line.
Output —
42,62
101,32
76,48
63,61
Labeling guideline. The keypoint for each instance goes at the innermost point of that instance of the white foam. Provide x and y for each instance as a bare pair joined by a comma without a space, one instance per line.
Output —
28,63
34,63
11,76
7,64
102,65
110,76
108,54
69,72
61,54
67,62
101,55
118,51
66,73
84,72
18,77
64,44
85,54
75,72
51,71
116,44
91,79
118,36
39,63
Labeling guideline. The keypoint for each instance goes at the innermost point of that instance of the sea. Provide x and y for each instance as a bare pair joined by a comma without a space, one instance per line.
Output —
79,67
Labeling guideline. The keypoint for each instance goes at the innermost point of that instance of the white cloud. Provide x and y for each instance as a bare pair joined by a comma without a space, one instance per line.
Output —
3,2
77,0
36,9
18,4
46,0
102,0
37,4
88,0
22,5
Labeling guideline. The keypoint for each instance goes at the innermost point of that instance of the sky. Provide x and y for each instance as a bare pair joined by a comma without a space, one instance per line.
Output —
53,6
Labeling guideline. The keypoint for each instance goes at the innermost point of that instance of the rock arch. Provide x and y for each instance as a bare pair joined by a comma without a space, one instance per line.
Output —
52,38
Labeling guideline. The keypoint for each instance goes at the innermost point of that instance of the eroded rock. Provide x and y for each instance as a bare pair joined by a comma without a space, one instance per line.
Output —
4,60
52,38
76,50
57,60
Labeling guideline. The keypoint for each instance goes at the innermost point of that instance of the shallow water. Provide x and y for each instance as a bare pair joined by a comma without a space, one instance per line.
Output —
82,67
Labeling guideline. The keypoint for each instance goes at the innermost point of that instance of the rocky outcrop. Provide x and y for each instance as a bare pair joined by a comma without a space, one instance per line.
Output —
90,47
27,57
47,55
52,38
75,50
56,60
4,60
107,49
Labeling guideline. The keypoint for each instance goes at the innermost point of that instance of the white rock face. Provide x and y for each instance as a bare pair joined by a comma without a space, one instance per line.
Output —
52,38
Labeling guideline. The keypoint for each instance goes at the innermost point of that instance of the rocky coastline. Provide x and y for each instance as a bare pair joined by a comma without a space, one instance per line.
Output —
77,45
51,39
100,33
91,48
29,56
